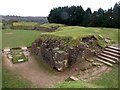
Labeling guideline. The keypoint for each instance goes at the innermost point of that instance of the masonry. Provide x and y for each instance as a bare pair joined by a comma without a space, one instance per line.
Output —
62,52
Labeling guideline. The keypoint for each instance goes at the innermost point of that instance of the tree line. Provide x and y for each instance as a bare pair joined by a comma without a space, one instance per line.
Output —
76,15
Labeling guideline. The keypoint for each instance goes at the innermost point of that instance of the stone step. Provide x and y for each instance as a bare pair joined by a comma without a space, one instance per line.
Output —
115,48
111,50
109,56
105,62
106,59
111,53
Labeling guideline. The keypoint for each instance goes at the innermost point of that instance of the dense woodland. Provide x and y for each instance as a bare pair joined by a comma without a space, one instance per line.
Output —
76,15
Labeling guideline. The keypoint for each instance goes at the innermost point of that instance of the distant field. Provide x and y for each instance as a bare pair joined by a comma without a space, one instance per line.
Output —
24,23
18,38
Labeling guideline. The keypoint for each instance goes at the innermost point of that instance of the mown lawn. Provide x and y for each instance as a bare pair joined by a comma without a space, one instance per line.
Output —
18,38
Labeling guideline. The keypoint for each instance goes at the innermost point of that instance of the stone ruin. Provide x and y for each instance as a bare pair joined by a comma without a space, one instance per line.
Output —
60,54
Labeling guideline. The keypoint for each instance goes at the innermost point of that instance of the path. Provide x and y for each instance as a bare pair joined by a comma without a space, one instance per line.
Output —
35,73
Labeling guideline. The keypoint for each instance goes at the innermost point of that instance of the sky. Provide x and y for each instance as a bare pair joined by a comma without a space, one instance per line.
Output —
43,7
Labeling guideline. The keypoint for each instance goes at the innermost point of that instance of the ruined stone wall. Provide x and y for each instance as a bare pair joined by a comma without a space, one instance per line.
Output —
60,55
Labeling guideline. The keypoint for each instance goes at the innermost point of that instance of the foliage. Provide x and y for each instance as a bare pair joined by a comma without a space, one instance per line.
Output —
76,15
66,15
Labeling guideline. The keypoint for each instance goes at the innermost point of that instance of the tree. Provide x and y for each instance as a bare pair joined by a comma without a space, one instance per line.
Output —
87,17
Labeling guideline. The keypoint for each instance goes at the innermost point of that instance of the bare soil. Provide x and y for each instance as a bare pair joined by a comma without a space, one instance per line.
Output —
42,77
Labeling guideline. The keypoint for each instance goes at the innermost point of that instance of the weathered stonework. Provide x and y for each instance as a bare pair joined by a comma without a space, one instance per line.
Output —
59,55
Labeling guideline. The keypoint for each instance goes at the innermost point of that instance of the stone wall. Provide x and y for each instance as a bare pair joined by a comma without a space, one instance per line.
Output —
60,55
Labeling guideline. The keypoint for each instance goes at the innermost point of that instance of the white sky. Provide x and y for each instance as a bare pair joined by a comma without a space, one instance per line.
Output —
43,7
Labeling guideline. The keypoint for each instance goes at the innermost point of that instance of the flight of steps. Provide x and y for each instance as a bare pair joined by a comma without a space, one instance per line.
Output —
109,56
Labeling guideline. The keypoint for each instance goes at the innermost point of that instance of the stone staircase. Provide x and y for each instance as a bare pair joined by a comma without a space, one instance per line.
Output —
110,55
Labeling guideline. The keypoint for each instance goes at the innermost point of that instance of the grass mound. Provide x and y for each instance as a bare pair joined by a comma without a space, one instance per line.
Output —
109,35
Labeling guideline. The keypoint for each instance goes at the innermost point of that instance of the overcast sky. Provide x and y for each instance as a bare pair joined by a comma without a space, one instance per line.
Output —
43,7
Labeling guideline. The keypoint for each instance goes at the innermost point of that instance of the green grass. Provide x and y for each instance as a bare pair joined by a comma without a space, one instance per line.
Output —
24,23
76,84
76,31
107,80
79,32
49,25
17,54
25,38
18,38
12,80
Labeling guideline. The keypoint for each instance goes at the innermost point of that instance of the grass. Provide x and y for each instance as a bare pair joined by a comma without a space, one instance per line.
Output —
76,31
25,24
12,80
107,80
51,25
17,54
76,84
18,38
